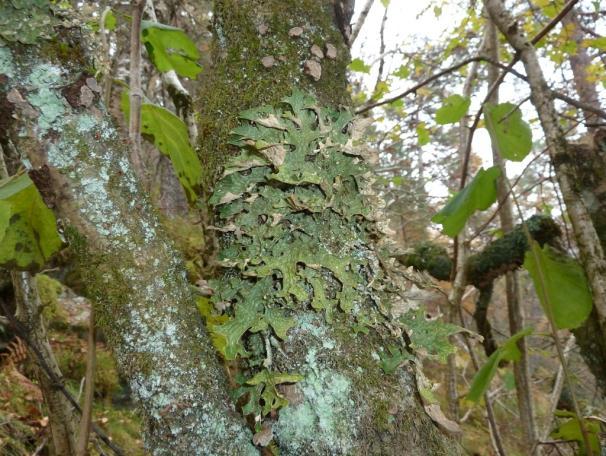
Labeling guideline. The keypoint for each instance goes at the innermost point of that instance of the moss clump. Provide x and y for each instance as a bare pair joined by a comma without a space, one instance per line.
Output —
507,253
49,290
430,257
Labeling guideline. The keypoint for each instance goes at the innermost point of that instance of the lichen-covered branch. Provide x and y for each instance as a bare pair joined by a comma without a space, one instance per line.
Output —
128,267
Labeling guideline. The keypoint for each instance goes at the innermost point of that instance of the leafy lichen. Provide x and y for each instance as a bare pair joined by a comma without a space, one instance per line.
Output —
301,236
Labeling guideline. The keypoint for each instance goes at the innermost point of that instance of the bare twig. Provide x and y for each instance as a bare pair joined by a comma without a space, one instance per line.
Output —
360,22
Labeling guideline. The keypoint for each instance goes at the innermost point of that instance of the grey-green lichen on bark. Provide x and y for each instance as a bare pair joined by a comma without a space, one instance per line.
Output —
302,231
131,271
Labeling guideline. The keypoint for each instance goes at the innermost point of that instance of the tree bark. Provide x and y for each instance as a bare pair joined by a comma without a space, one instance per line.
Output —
346,404
129,269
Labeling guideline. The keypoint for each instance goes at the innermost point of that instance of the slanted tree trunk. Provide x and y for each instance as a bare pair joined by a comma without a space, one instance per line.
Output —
129,268
345,404
579,63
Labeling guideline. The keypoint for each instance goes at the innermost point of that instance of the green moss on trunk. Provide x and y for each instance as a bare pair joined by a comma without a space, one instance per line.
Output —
238,80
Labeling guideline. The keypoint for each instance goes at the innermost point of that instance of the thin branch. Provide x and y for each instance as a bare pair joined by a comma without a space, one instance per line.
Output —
89,389
57,382
136,94
360,22
550,317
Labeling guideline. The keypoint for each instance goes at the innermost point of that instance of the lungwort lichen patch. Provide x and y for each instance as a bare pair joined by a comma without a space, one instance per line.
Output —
301,229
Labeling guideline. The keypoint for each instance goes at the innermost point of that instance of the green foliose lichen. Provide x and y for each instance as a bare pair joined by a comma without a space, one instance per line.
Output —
301,231
26,20
299,227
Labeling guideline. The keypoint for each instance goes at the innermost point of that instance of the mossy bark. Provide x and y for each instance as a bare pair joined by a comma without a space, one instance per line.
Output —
238,80
130,271
346,404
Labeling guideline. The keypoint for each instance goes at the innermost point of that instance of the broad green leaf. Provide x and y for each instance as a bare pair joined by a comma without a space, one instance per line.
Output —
598,43
385,3
478,195
561,286
169,48
571,430
172,139
359,66
28,229
508,131
508,351
422,134
453,109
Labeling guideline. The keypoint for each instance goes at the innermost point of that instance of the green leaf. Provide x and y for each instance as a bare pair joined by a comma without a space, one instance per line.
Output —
478,195
598,43
110,21
171,137
561,286
508,351
453,109
359,66
571,430
169,48
28,229
422,134
385,3
403,72
508,131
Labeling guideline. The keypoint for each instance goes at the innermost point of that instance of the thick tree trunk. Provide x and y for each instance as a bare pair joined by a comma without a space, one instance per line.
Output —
345,404
129,269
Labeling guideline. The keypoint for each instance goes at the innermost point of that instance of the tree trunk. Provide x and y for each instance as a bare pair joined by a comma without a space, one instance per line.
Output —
129,269
515,311
345,404
579,62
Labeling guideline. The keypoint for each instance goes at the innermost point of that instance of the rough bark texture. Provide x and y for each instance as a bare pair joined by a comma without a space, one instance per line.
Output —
345,404
587,169
592,253
129,269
